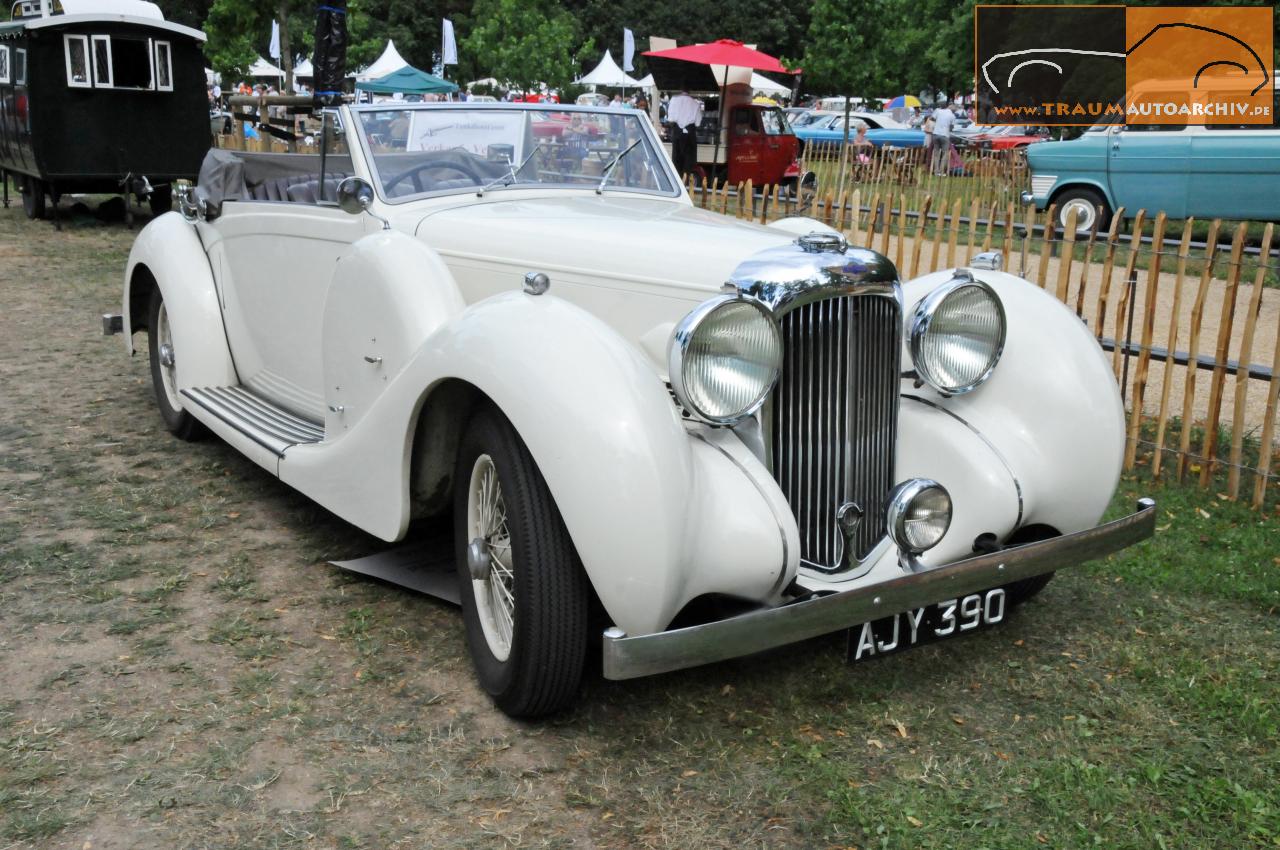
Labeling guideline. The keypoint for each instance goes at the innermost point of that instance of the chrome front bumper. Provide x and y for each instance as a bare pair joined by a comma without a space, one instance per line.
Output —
631,657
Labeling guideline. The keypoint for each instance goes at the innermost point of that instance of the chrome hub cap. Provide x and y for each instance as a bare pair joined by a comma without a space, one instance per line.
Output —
1085,214
489,557
168,374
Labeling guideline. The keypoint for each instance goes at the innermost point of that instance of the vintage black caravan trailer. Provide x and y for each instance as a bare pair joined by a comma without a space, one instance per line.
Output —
101,96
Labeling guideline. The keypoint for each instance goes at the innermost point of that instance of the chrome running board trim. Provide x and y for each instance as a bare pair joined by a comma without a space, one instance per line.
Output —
270,426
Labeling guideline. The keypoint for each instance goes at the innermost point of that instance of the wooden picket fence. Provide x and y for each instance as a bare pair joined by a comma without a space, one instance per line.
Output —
1113,281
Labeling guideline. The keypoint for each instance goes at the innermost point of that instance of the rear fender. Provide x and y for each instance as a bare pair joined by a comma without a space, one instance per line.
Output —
169,251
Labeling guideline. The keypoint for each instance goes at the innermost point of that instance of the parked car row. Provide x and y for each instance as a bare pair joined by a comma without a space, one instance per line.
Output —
1203,171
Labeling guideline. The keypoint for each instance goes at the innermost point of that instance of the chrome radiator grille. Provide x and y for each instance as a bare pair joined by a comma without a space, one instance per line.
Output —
834,420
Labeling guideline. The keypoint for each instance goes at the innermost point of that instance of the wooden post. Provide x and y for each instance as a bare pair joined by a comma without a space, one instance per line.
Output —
974,208
1209,448
1008,233
873,218
1068,254
747,201
704,191
1148,333
1108,265
724,198
991,225
1166,384
1087,264
855,205
1029,224
888,224
1268,424
1193,348
1122,305
830,208
1242,374
919,241
1046,246
954,235
902,229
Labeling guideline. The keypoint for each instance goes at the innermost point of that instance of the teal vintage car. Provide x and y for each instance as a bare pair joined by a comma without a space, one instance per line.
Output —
1207,172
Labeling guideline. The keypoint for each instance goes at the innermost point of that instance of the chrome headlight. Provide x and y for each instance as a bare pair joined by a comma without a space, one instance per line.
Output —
724,359
919,514
957,335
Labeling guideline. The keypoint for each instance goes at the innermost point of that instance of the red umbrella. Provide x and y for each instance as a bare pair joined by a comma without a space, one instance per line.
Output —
726,51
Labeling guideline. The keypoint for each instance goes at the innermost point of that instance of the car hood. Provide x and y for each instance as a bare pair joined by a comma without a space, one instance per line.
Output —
657,244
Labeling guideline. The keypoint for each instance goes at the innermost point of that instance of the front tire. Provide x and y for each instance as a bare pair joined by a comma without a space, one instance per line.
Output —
164,380
1089,205
524,592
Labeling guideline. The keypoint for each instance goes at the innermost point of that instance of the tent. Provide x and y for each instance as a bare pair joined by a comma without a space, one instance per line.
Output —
607,73
304,69
389,61
263,68
407,80
761,83
491,82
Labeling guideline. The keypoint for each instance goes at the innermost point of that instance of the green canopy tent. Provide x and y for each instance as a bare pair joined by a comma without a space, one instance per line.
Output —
408,80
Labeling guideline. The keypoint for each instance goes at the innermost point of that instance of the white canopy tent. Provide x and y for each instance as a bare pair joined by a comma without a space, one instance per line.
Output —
491,82
607,73
263,68
389,61
761,83
304,69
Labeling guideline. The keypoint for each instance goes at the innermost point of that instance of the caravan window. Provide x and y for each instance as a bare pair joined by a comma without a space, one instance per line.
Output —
20,67
4,64
77,48
122,63
102,60
164,67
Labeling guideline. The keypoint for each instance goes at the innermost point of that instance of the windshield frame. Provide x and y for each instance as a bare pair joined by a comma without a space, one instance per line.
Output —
662,158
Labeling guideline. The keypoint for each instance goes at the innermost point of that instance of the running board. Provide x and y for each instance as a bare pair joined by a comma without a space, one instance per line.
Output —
272,427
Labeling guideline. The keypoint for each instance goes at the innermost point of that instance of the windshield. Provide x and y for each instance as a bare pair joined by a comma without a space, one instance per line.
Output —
430,150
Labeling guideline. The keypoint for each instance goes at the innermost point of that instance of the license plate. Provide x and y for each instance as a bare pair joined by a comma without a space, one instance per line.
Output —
918,626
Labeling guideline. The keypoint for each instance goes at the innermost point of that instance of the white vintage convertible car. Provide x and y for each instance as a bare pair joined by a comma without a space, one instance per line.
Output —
693,437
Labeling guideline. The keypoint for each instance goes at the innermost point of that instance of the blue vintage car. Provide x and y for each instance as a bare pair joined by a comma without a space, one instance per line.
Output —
881,130
1207,172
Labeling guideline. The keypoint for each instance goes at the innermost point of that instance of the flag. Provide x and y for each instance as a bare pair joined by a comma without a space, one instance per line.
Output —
628,49
449,52
274,49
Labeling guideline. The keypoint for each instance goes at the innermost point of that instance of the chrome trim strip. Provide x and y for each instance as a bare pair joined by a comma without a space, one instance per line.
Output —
1017,485
629,657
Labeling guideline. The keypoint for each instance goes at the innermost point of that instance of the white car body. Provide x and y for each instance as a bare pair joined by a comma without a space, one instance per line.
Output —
370,337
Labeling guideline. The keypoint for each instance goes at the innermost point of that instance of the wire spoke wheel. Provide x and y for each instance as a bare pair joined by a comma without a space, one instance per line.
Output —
524,592
487,522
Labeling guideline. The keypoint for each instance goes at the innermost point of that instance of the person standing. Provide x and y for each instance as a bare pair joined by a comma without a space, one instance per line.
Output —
943,119
684,114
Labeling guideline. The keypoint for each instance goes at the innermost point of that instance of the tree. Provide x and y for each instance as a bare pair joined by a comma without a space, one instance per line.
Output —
240,30
525,42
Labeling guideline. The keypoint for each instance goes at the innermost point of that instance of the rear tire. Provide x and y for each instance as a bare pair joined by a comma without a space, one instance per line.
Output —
33,197
1086,202
524,593
162,355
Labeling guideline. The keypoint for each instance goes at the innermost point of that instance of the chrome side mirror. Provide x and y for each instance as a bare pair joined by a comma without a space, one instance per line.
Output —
355,196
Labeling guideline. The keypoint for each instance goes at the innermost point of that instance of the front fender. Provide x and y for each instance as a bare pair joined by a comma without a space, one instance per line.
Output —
170,250
600,424
1051,409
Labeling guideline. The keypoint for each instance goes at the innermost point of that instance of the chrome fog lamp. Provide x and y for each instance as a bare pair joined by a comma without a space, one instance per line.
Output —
957,335
919,514
724,359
